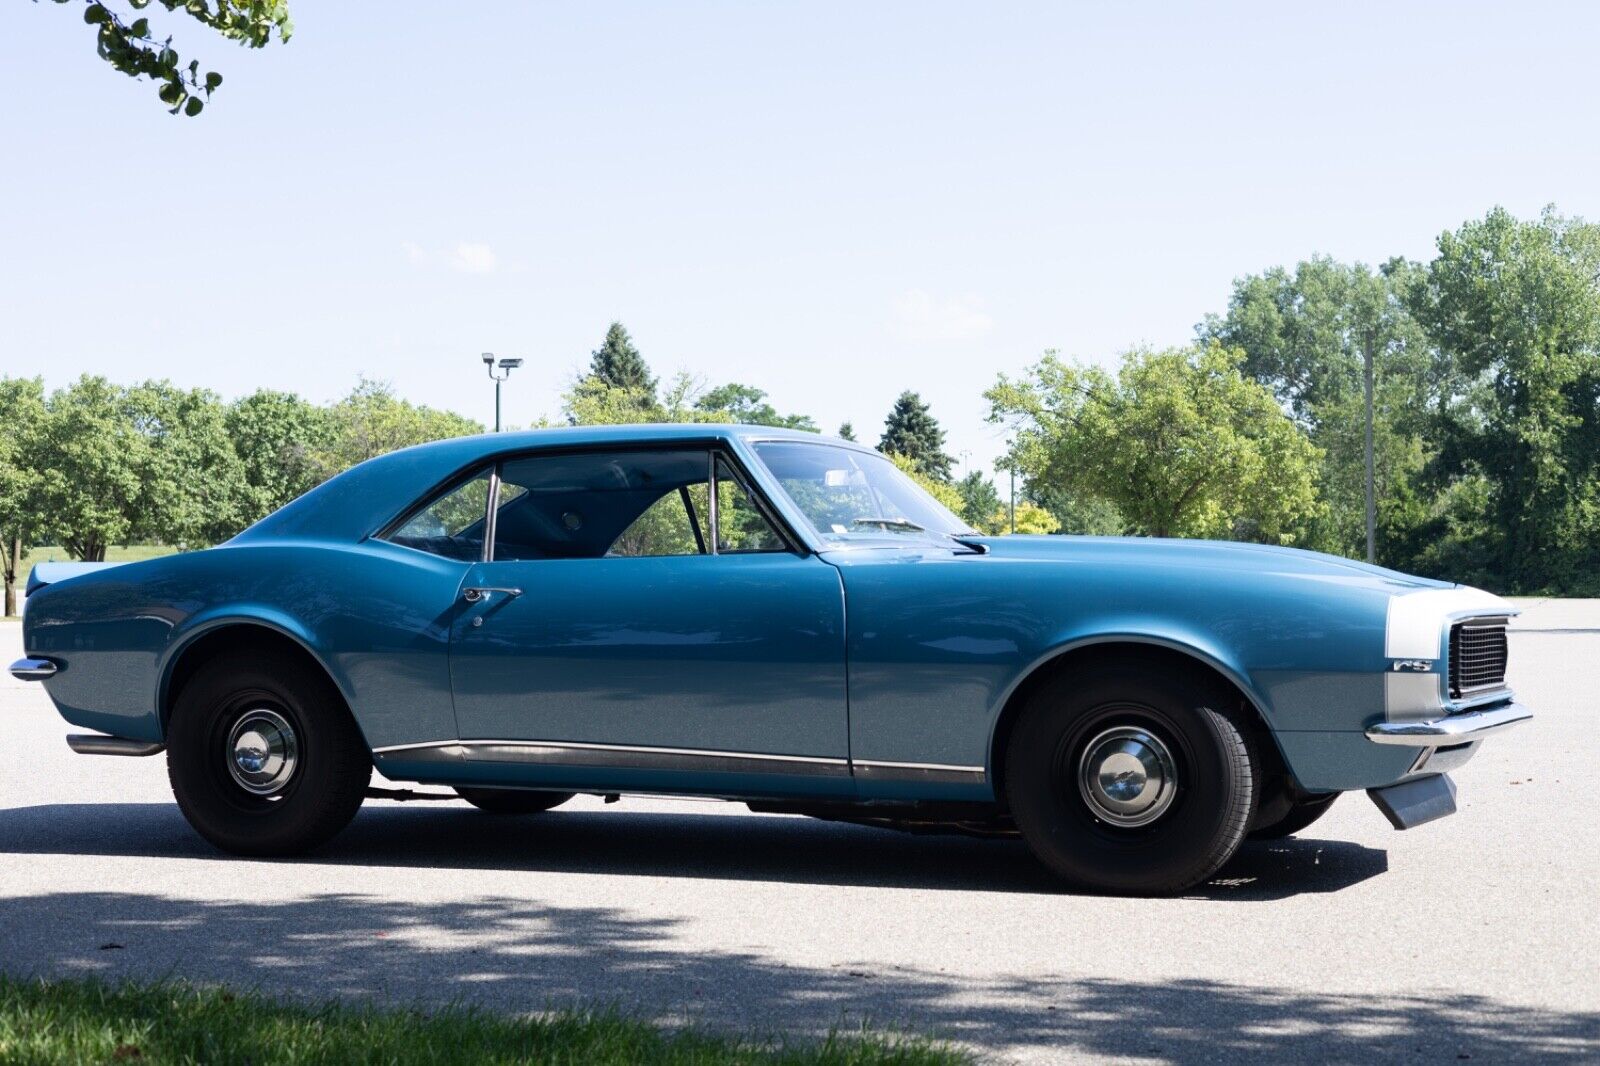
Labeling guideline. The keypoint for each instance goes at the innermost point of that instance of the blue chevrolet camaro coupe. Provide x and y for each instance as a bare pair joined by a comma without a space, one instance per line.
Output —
772,617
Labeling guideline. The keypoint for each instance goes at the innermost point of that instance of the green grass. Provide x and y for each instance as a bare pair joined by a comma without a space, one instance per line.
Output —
129,553
86,1020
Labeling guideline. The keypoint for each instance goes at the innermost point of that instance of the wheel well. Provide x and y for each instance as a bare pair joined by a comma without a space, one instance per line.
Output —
1147,656
226,640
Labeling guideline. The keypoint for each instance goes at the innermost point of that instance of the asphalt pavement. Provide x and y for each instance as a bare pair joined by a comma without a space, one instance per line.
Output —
1472,937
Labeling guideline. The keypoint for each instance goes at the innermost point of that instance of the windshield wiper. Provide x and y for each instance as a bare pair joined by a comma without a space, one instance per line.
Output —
907,526
889,523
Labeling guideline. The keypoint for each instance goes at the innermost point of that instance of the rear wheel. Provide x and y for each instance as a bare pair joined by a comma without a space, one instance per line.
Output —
1299,817
1125,780
263,755
512,800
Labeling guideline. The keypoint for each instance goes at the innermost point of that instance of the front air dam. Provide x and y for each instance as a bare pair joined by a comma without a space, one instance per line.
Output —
1412,803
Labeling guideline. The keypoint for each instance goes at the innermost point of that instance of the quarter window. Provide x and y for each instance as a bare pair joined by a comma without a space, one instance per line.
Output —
452,525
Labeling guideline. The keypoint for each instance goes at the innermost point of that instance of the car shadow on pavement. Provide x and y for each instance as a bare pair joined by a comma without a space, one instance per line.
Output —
716,846
521,955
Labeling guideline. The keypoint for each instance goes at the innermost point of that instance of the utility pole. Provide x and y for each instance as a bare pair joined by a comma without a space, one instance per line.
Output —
506,366
1372,503
1013,500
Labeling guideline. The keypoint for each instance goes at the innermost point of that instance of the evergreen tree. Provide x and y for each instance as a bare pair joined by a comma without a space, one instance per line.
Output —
912,431
979,499
847,431
618,364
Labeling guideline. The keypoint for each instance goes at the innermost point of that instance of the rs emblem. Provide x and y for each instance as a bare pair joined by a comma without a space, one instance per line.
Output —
1416,666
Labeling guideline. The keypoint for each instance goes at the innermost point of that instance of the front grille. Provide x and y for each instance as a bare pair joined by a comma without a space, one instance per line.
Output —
1477,656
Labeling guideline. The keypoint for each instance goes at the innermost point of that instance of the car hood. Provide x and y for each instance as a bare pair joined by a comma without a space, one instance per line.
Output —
1201,555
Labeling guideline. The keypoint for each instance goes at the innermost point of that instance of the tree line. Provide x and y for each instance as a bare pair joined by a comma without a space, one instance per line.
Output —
1485,366
96,464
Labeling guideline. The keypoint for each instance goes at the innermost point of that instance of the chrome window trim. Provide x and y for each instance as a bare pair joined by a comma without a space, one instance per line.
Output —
713,512
491,514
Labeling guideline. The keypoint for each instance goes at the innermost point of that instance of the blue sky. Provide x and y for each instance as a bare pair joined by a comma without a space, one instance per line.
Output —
832,202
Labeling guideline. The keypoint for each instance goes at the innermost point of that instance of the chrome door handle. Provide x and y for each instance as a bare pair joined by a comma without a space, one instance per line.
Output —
473,595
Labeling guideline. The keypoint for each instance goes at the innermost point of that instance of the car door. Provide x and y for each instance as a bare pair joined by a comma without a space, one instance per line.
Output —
643,609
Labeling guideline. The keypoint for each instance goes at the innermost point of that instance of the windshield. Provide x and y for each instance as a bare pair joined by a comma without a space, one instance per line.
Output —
845,493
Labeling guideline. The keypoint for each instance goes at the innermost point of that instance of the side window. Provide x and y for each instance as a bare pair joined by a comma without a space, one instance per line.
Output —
452,524
592,505
741,527
670,526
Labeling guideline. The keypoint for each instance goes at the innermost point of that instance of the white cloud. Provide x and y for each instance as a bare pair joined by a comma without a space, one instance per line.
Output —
473,258
921,317
468,257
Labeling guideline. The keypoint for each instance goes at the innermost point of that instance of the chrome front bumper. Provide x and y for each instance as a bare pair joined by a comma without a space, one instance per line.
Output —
1464,728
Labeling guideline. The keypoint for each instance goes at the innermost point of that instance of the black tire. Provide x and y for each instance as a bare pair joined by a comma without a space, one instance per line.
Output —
1212,760
320,791
1300,815
513,800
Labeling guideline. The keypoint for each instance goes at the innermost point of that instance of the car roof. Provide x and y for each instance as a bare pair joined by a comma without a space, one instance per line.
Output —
350,505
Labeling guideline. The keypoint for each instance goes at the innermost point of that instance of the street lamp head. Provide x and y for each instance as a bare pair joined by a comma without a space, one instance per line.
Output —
488,358
510,364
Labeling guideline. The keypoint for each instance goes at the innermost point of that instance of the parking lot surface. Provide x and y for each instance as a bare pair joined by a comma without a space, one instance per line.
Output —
1475,936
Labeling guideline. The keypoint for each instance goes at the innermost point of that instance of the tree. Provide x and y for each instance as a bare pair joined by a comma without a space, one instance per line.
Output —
277,436
912,431
618,364
1031,518
1304,336
92,462
192,486
748,405
847,431
129,45
372,421
1077,511
1515,307
1179,441
979,499
942,491
21,518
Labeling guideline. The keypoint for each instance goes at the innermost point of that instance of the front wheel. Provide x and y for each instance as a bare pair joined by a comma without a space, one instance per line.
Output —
1123,779
263,756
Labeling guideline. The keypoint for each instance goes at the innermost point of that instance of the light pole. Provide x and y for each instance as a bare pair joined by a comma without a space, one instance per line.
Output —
506,366
1372,505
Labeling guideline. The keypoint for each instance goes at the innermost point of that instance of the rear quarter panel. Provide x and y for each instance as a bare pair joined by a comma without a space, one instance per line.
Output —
375,615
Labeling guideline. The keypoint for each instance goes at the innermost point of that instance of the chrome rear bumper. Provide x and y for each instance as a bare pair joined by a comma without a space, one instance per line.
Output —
1464,728
33,669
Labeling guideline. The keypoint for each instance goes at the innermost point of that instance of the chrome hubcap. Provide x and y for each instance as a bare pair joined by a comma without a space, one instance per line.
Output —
262,751
1127,776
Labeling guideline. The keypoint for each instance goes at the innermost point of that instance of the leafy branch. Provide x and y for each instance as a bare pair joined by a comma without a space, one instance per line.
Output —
129,46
